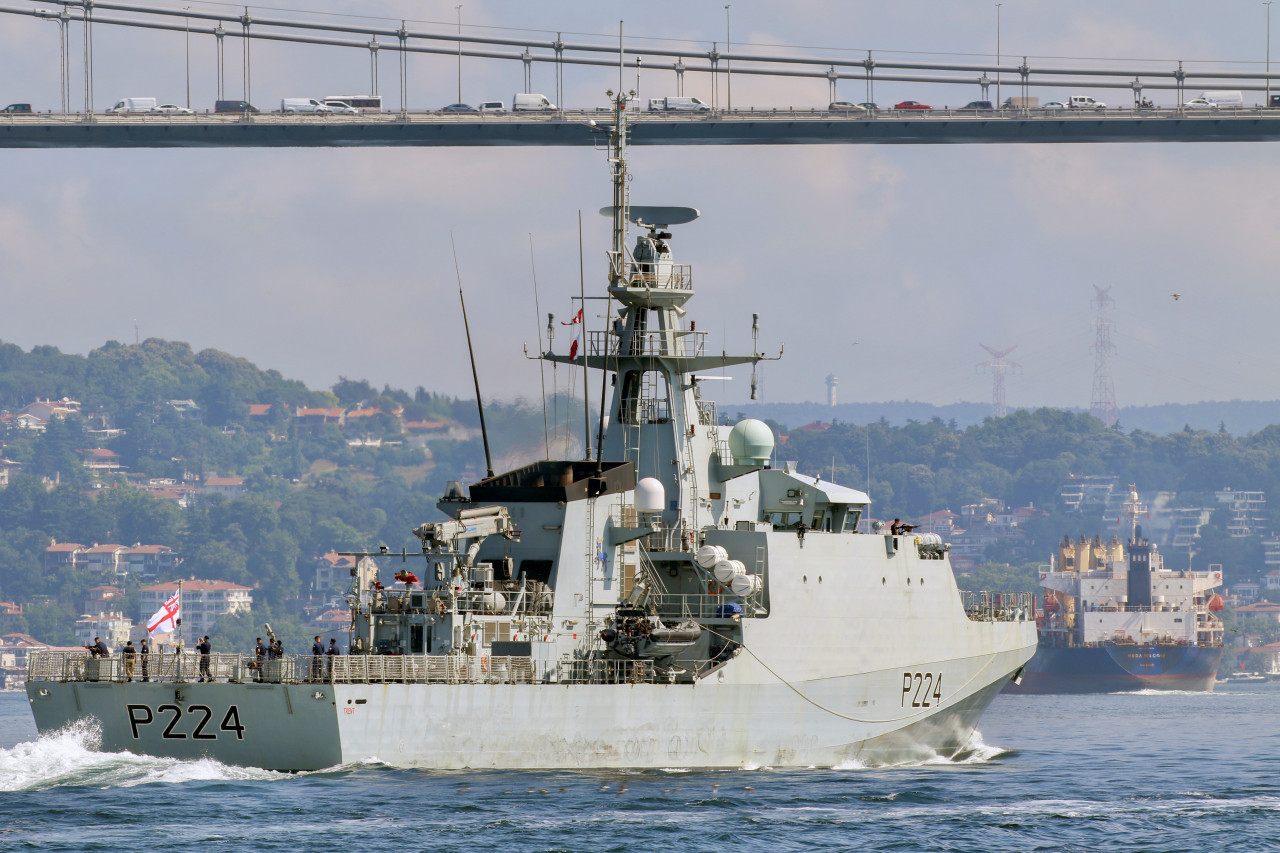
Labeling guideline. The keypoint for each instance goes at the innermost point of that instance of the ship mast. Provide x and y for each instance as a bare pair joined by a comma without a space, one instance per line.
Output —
1133,508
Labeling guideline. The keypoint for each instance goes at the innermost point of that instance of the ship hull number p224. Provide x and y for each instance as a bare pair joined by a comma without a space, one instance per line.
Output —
194,723
921,689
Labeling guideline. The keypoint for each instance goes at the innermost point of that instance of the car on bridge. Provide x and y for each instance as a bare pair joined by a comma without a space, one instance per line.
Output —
846,107
912,105
869,106
341,108
1053,105
1084,102
1199,104
170,110
492,107
458,108
976,106
14,109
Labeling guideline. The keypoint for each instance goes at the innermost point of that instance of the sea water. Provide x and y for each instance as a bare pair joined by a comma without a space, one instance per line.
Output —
1121,772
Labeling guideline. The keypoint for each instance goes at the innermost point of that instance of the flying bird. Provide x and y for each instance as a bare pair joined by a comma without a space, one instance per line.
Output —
1176,296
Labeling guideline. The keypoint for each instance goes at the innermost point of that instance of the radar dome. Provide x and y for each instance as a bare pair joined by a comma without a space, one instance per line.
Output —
650,495
751,442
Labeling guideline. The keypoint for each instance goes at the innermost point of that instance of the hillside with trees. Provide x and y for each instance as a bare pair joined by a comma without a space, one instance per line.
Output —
313,482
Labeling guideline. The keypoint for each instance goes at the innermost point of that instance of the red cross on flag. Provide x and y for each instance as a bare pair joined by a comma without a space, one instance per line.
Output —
165,621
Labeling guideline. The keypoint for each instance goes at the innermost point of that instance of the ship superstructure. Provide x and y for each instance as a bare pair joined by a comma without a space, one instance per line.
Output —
676,600
1116,618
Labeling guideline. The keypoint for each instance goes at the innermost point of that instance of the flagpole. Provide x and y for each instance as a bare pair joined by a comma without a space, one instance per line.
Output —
582,313
177,625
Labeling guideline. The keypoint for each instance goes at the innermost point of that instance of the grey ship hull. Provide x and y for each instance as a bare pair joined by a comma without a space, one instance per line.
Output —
474,726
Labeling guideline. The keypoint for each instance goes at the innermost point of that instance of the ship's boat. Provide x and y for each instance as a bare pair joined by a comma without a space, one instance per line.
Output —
673,599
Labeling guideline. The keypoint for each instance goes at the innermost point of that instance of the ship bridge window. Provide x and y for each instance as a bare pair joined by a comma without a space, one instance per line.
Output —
850,522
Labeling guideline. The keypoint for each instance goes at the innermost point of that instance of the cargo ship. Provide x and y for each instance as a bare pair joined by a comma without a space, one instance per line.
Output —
1116,619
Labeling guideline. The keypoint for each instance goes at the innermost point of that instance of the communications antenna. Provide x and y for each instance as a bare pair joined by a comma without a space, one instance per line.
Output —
998,367
1103,405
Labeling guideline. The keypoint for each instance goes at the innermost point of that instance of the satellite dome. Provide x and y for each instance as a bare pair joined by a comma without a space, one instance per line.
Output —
751,442
650,495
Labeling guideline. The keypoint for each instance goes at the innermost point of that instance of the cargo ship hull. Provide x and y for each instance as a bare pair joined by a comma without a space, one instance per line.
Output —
1116,668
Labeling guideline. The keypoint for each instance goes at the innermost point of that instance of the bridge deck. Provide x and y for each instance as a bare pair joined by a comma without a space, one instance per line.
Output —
573,128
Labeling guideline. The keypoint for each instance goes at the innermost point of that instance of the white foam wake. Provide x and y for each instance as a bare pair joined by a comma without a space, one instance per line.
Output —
70,757
974,751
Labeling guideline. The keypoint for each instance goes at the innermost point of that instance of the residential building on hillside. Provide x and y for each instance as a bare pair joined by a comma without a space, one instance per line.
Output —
1248,512
1087,492
60,554
1186,524
99,459
149,561
1268,610
101,599
37,415
112,627
1246,592
188,409
101,558
333,573
203,602
231,487
315,419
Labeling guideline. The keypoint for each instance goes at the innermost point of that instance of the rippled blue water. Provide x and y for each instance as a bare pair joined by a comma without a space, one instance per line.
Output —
1133,772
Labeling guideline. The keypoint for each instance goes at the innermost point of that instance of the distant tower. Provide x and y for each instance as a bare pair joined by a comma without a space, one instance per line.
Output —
1103,406
998,367
832,382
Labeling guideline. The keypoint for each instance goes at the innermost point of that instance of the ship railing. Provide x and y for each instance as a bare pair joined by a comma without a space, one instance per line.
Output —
181,666
711,606
431,669
290,669
998,606
517,600
609,345
660,275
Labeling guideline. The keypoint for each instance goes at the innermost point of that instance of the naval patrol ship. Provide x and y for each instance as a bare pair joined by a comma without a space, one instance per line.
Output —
675,601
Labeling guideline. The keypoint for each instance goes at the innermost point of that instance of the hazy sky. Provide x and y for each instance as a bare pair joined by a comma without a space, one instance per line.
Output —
886,265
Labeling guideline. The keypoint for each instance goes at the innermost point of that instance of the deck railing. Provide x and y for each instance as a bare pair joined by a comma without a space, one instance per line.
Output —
354,669
998,606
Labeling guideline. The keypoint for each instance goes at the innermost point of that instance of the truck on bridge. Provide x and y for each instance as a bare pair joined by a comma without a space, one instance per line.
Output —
677,104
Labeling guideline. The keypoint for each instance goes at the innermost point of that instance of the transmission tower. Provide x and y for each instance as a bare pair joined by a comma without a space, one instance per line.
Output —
1103,406
998,367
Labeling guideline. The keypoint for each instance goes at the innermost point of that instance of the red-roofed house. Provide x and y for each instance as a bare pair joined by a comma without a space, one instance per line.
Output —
259,410
333,622
333,571
61,554
203,602
425,426
100,599
315,420
1268,610
232,487
99,459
